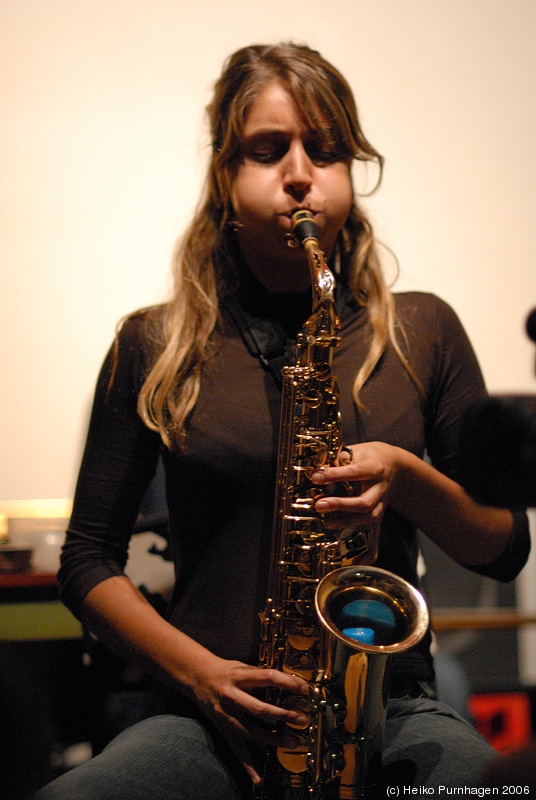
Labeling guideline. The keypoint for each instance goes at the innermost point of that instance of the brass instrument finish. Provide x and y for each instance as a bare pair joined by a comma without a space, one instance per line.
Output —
311,569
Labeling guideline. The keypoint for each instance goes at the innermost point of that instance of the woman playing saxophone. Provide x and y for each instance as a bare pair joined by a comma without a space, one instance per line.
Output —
195,382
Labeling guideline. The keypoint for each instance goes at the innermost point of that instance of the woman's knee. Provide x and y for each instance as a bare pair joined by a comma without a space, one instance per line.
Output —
164,757
430,741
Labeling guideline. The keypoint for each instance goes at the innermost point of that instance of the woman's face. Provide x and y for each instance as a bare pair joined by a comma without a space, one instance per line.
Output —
285,165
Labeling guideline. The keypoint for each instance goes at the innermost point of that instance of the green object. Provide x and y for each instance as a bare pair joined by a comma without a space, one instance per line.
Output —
37,621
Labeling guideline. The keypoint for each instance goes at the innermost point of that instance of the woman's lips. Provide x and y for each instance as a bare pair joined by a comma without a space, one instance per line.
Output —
286,215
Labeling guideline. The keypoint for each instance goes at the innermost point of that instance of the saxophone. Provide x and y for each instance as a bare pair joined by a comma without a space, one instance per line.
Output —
332,622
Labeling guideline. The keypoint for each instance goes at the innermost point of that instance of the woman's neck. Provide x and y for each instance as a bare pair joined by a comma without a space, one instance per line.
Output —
290,309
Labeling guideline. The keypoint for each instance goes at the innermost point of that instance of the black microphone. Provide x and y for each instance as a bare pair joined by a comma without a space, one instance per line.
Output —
531,325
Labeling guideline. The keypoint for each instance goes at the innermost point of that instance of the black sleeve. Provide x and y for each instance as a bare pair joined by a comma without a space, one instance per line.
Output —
511,562
119,460
455,383
458,387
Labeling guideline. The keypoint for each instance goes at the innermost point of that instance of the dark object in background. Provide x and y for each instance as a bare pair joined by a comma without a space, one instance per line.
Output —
514,770
530,325
498,452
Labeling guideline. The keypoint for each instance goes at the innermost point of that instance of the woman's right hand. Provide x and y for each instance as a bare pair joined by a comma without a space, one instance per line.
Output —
121,617
227,693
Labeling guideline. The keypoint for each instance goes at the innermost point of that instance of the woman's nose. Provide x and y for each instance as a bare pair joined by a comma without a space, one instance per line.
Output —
298,169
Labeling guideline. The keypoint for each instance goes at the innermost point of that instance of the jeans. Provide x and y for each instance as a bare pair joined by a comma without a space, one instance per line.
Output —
428,745
173,758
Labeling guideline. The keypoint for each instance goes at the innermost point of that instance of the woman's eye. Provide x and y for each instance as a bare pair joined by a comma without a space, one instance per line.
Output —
263,156
322,154
266,154
271,149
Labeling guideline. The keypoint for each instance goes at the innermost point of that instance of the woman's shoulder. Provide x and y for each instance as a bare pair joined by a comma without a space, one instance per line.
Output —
140,321
140,331
435,334
422,302
425,309
135,343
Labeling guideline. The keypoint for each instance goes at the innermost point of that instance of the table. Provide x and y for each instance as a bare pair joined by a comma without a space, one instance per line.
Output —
30,609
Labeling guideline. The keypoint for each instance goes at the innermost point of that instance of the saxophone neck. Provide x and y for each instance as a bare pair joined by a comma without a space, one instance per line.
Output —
323,321
322,278
319,335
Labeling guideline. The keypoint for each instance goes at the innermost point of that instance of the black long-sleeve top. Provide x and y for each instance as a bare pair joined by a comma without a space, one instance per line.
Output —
220,491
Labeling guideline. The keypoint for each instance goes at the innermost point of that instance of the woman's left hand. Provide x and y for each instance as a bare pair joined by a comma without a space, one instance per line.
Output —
370,469
472,534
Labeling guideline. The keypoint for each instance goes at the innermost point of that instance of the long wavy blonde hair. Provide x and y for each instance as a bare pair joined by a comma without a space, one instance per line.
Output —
204,266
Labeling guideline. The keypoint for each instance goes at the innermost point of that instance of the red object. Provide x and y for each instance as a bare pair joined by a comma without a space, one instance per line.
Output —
504,719
10,580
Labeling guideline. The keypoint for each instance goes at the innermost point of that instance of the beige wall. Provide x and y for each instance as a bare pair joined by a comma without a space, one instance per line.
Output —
101,158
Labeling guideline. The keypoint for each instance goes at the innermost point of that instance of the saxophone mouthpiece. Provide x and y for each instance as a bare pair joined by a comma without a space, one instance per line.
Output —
303,226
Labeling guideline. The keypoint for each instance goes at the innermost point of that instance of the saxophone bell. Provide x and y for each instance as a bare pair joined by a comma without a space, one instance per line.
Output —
369,615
